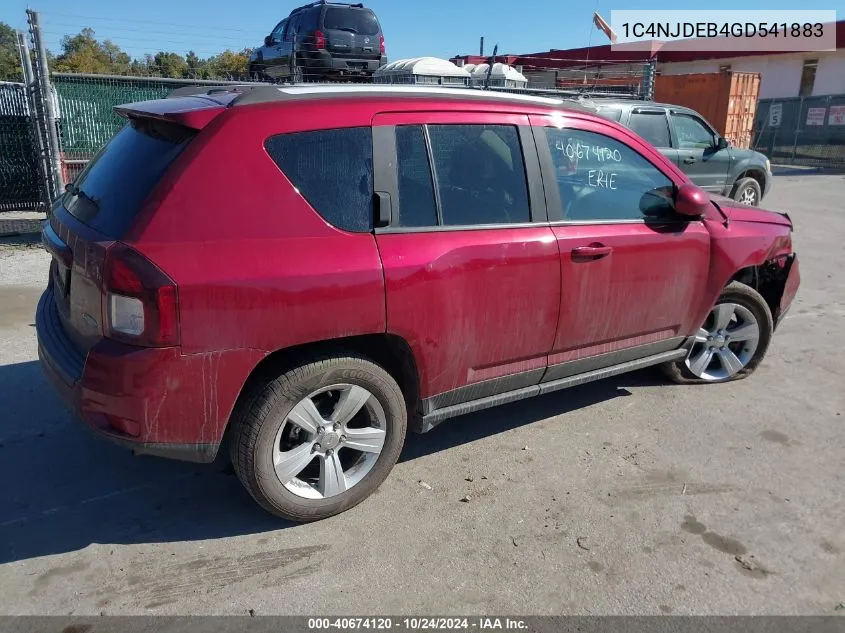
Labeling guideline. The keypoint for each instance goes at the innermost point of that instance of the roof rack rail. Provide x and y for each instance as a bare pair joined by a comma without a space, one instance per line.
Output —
563,93
319,3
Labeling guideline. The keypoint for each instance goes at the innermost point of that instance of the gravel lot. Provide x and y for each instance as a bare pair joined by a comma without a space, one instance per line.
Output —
628,496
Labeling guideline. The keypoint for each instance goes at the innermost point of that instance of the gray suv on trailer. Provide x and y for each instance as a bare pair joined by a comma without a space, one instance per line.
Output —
687,139
320,40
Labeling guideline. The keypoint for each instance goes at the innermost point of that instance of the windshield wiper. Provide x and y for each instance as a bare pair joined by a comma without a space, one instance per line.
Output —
348,29
74,190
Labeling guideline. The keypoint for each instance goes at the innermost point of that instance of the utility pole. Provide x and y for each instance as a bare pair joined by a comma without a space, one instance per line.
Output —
29,89
43,75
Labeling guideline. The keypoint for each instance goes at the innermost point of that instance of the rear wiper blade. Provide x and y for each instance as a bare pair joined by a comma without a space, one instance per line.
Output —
348,29
76,191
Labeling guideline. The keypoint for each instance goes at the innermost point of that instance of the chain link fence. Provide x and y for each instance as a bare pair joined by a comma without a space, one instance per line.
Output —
86,116
806,131
20,176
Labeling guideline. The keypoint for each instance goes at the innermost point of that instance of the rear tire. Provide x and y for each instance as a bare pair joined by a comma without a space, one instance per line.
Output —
271,434
748,326
748,192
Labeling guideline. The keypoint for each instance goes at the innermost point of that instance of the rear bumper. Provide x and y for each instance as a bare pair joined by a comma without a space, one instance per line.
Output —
131,396
325,62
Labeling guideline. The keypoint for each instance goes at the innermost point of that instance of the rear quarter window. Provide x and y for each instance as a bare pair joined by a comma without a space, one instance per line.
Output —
333,170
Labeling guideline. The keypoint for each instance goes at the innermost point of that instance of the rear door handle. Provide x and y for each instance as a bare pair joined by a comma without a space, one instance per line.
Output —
592,252
689,161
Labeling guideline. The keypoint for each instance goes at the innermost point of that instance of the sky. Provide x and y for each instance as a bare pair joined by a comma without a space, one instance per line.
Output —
412,28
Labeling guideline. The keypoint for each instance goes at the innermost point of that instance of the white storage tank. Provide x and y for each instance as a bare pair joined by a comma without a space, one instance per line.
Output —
503,76
422,70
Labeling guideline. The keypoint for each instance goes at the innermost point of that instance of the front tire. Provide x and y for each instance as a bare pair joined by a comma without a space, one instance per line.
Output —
748,192
731,343
320,438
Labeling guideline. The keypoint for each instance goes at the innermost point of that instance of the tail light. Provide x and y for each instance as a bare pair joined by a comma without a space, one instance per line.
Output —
141,305
381,47
319,40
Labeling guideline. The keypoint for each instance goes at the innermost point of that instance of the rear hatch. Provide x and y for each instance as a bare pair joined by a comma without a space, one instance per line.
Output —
98,209
352,32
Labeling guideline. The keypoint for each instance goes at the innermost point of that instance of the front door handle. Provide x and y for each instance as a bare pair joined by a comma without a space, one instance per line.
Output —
591,252
689,161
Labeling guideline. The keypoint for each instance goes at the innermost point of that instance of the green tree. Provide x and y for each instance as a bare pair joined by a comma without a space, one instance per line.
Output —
10,66
197,68
229,64
119,60
170,64
83,53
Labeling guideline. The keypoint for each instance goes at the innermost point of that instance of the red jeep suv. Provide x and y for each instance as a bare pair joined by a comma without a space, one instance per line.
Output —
308,272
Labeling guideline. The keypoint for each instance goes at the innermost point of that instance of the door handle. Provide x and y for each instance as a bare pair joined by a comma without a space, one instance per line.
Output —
592,252
689,161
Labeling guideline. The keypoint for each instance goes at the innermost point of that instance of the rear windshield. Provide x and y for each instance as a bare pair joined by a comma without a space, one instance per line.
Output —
361,21
108,194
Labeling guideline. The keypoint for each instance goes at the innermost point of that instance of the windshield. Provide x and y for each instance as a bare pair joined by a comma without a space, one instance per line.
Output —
108,194
361,21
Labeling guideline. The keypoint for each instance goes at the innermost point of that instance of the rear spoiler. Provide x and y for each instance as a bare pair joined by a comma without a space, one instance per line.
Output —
193,112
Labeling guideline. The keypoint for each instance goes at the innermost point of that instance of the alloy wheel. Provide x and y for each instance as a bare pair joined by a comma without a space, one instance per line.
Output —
748,196
726,343
329,441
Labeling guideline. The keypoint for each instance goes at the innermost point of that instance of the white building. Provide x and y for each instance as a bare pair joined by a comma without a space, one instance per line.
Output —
781,76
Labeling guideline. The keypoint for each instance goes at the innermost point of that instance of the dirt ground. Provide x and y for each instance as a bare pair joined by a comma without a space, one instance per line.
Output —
627,496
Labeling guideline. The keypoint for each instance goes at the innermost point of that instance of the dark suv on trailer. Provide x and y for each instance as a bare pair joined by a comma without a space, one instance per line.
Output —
688,140
382,258
321,40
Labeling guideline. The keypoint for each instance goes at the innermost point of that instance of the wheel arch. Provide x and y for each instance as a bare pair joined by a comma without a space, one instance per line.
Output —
768,278
391,352
757,173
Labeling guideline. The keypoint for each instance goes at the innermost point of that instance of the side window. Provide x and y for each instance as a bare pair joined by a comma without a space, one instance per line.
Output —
276,35
417,206
652,126
333,170
692,133
480,174
601,179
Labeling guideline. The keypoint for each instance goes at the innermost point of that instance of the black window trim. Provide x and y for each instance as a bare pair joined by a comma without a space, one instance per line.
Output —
429,155
553,201
537,198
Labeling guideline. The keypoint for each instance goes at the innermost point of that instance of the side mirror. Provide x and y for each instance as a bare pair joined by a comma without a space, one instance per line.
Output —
691,201
721,143
268,40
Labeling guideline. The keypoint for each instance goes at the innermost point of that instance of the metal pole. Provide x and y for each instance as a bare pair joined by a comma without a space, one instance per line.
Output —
649,72
55,160
481,47
798,120
490,67
29,89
